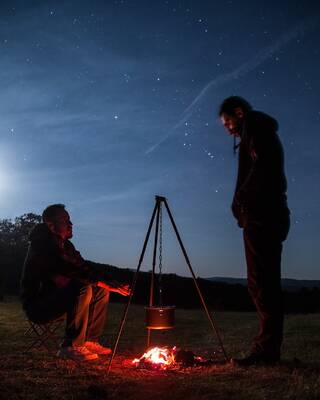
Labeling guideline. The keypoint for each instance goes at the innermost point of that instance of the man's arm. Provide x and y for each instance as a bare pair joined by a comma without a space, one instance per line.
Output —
52,264
261,147
68,262
122,289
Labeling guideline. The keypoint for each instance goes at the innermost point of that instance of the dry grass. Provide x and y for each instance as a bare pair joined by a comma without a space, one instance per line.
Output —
41,375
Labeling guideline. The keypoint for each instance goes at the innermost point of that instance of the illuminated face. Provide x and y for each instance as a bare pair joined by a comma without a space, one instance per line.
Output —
232,123
61,225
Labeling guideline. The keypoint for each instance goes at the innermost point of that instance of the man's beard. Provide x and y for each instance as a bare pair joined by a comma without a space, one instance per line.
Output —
238,129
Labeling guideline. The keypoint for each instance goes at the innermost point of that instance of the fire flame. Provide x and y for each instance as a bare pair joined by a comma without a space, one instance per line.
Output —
159,357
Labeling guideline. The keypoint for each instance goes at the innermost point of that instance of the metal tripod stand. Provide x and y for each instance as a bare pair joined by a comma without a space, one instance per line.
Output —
156,214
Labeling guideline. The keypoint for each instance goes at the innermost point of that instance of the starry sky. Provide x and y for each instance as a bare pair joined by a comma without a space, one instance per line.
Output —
104,104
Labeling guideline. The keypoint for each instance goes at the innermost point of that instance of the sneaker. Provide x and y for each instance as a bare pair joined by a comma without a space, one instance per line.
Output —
77,353
262,359
97,348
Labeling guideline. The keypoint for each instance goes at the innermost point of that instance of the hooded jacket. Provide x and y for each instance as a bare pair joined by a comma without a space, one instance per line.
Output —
260,193
51,264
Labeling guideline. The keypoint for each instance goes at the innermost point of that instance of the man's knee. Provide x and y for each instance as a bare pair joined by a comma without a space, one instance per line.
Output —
82,293
102,294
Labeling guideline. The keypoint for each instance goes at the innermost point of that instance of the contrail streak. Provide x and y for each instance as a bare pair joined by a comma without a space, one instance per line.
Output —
300,30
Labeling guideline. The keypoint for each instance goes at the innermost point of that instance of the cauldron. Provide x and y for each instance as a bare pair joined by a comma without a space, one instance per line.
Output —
160,317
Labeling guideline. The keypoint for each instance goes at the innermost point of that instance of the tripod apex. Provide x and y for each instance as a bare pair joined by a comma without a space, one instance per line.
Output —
160,198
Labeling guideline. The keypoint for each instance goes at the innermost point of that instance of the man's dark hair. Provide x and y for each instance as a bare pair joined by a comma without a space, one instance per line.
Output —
52,211
231,103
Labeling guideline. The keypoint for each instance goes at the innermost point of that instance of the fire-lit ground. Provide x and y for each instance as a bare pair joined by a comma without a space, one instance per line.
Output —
41,375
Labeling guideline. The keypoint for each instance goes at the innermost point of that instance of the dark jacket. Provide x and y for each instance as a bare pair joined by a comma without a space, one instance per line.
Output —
260,193
50,265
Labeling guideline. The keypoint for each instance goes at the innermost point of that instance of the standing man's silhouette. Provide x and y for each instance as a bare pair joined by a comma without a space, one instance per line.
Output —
260,207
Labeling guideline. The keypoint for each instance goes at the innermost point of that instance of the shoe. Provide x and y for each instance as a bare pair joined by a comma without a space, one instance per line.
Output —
256,359
97,348
77,353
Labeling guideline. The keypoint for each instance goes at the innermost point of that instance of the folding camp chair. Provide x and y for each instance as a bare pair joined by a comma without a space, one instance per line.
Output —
43,335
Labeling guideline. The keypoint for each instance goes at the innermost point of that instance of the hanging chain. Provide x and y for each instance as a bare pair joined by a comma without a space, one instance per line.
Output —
160,255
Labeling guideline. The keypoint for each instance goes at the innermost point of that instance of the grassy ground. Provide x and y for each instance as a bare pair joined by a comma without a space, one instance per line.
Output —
41,375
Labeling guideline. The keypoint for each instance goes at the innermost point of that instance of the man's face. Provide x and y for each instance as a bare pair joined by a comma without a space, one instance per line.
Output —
61,225
232,123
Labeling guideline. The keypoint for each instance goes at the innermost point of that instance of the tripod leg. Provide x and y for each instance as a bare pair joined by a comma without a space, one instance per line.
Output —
154,265
214,327
133,285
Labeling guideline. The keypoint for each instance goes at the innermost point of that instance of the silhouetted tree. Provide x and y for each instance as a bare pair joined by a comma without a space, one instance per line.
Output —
13,248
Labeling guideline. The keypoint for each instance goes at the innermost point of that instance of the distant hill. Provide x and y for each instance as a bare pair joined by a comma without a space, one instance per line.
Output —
290,285
219,293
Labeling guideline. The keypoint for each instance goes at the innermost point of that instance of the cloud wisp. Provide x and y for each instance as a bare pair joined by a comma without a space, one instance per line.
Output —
264,54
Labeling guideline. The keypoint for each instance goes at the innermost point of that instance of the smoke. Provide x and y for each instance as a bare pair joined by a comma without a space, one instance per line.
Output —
299,31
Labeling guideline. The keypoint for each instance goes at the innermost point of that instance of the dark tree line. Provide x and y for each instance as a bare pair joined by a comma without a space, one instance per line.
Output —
177,290
13,247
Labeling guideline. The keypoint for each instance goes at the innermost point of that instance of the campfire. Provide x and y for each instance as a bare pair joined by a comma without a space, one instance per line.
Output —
157,358
164,358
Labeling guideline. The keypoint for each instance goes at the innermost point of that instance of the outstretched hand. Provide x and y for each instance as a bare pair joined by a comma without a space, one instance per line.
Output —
123,289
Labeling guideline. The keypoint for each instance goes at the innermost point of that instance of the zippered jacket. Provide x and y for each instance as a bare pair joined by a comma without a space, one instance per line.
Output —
50,264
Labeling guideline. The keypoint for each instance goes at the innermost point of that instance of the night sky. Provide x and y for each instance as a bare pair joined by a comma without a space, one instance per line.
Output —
104,104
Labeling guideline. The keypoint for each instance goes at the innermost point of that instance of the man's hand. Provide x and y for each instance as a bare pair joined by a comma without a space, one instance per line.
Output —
122,289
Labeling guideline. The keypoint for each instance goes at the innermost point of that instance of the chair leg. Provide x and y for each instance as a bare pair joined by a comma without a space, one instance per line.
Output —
41,335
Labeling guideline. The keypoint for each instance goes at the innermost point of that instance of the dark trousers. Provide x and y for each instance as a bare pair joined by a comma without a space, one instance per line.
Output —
85,307
263,248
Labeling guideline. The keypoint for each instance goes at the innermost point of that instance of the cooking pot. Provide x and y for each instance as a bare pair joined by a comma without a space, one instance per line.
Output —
160,317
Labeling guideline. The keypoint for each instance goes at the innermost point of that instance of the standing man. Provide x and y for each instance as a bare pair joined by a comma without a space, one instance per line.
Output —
260,207
57,281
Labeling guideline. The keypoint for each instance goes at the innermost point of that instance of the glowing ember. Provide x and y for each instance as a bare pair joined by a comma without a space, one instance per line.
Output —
157,357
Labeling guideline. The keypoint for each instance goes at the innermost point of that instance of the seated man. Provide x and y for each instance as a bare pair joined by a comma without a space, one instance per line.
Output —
56,281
